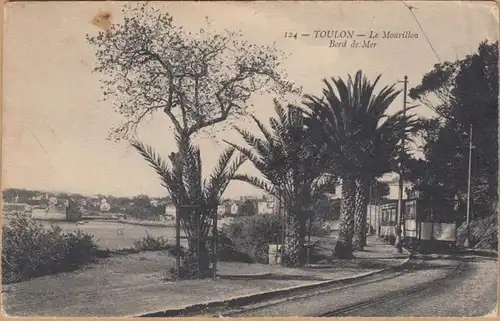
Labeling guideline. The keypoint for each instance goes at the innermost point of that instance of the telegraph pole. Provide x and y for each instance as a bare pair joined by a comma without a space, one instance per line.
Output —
370,212
178,240
466,244
398,244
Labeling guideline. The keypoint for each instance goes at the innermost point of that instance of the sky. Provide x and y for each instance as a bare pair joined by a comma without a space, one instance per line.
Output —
55,127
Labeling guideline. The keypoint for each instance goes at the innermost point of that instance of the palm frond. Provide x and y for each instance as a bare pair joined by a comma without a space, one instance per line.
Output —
223,174
256,160
257,182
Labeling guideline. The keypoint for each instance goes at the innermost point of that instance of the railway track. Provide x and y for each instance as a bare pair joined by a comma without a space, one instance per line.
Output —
344,311
388,275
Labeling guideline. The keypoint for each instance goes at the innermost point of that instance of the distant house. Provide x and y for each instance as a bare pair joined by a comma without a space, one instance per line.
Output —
236,207
104,206
243,208
249,198
94,203
391,179
224,208
268,204
170,210
335,195
266,207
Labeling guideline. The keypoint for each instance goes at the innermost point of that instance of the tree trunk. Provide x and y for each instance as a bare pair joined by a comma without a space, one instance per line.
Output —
196,263
293,255
343,247
360,215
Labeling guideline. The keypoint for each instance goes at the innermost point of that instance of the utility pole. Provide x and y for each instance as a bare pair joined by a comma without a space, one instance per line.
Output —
466,243
370,213
398,244
178,240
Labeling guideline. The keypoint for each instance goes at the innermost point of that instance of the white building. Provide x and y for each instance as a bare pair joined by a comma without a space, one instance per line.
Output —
104,206
243,208
265,207
223,209
236,207
170,210
337,194
391,179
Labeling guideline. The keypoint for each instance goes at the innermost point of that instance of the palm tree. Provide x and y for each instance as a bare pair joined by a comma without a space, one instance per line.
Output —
383,155
292,168
196,199
361,139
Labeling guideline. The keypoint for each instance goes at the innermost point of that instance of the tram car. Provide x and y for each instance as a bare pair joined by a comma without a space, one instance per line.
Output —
388,221
419,229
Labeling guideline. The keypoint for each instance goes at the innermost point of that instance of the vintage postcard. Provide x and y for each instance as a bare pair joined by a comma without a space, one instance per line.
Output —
250,159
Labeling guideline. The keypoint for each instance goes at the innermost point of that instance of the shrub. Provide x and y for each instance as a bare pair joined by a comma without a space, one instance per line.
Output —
252,235
189,266
320,228
227,250
30,250
153,243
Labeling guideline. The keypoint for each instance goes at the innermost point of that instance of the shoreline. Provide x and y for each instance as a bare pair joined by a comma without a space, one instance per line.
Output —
130,222
141,223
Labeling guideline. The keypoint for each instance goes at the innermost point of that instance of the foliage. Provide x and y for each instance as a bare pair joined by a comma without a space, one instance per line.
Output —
197,79
319,228
324,208
152,243
292,167
352,121
379,191
483,233
30,250
227,250
149,64
350,118
141,207
464,93
252,235
195,198
10,194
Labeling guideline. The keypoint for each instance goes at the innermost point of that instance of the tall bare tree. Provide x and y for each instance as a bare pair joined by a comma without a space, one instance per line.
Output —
198,79
148,64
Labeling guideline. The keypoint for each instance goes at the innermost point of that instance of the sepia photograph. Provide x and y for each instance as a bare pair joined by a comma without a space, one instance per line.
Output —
250,159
